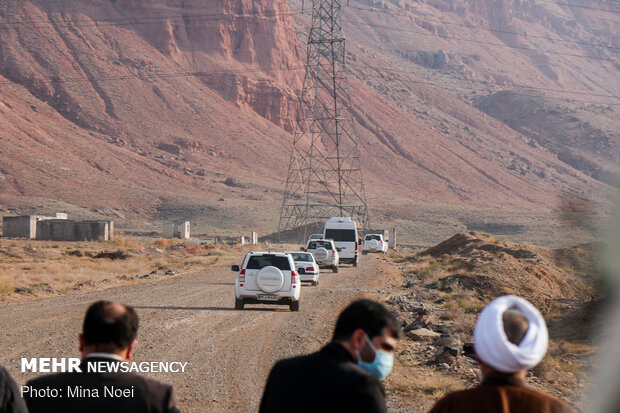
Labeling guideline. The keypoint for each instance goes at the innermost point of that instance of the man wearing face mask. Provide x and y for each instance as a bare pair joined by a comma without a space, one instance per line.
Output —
346,374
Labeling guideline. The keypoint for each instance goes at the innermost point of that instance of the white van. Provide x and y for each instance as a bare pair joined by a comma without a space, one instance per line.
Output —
343,231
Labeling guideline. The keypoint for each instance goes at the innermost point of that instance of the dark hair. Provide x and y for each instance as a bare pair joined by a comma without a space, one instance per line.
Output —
515,325
105,326
368,315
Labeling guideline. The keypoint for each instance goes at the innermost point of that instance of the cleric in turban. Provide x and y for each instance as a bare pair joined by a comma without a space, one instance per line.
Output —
510,338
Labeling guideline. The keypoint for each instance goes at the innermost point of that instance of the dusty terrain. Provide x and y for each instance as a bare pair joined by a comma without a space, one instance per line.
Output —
444,288
31,269
151,110
189,316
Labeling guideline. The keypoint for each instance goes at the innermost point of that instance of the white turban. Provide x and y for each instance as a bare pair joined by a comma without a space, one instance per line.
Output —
492,345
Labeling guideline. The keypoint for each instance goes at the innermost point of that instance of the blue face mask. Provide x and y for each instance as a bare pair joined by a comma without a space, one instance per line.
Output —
381,366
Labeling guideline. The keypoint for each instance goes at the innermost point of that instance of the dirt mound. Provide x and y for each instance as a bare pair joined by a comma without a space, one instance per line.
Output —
456,244
489,267
446,286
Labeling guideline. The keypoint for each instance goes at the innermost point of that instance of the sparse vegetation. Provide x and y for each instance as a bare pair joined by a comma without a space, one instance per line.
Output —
40,267
6,286
127,242
166,243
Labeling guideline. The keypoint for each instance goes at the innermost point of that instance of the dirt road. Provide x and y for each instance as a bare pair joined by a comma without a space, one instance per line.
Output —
191,319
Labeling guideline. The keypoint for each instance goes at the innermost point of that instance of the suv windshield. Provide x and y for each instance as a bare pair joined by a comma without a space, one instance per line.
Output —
347,235
301,256
257,262
320,244
369,237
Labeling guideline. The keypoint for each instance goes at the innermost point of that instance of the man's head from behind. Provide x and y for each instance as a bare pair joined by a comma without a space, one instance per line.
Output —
109,328
510,337
515,325
366,328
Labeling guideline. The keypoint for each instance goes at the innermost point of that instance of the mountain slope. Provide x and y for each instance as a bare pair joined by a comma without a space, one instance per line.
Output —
147,108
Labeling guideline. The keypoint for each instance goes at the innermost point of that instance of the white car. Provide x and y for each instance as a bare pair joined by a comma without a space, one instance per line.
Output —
325,253
306,266
267,278
374,243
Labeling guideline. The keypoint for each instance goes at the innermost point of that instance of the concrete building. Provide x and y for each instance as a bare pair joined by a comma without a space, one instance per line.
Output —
57,228
69,230
25,226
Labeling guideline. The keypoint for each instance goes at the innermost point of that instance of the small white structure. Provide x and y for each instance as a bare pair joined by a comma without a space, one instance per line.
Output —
177,229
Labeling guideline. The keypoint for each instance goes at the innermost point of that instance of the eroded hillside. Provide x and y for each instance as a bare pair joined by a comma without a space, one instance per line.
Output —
144,111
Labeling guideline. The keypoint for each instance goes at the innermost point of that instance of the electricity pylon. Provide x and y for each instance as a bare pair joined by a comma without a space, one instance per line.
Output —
324,176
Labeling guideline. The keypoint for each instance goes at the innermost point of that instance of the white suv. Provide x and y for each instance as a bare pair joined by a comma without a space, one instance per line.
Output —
325,253
374,243
267,278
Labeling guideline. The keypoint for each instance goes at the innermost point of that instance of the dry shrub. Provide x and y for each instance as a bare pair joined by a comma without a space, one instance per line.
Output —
463,299
127,242
165,243
433,384
430,271
6,286
462,323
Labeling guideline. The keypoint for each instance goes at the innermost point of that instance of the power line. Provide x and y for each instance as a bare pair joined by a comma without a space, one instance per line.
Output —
221,16
443,86
139,20
579,6
152,74
555,2
487,82
164,75
483,42
606,46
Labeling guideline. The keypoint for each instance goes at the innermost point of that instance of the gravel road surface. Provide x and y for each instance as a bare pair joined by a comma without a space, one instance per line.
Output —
191,319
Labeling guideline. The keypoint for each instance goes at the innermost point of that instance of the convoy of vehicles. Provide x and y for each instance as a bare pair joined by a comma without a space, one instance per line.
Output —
275,277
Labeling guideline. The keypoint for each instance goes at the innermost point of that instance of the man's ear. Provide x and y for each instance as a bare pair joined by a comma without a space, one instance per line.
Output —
358,339
132,345
81,341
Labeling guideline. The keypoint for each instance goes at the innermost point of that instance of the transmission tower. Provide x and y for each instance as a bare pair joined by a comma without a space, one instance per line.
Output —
325,176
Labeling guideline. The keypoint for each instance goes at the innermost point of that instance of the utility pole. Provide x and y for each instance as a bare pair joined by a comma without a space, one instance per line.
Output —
325,176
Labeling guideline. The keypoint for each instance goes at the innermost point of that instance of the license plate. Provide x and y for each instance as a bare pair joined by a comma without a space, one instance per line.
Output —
267,297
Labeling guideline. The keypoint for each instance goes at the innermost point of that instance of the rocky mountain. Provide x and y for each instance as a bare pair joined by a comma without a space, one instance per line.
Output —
145,111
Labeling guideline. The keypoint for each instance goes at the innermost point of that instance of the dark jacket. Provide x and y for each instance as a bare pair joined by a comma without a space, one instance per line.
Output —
10,397
328,380
86,392
500,394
